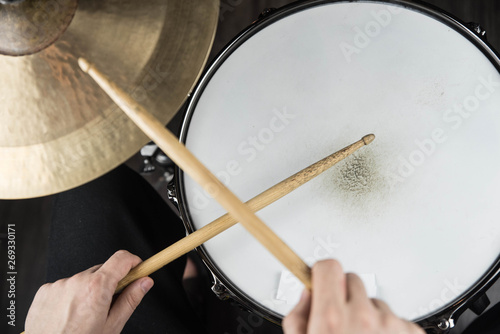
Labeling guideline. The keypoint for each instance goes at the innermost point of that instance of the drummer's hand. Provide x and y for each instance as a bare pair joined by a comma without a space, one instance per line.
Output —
84,302
339,305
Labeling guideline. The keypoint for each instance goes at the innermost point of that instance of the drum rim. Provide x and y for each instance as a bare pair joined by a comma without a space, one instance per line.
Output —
450,311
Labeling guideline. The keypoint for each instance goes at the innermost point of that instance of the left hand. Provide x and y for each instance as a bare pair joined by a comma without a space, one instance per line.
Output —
84,303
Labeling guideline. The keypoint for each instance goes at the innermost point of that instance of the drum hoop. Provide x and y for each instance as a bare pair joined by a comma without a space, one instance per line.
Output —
453,309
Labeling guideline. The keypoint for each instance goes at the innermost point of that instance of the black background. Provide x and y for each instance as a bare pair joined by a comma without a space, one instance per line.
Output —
32,216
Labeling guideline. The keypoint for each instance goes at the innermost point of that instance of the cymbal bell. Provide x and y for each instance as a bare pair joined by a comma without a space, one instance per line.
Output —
29,26
58,129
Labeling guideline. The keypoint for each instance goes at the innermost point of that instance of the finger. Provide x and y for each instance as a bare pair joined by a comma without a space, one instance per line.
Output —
356,292
126,304
329,283
118,265
382,306
328,296
296,321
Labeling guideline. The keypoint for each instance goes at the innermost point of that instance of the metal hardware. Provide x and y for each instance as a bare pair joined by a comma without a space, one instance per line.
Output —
163,160
445,324
478,29
154,157
172,194
220,289
147,152
147,167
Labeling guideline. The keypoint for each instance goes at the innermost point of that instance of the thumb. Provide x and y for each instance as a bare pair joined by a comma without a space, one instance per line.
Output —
126,304
296,321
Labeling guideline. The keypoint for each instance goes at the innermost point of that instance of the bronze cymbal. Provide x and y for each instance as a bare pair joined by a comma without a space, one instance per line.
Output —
58,129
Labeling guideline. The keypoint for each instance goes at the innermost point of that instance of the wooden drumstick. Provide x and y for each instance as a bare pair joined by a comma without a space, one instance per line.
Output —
224,222
176,151
156,131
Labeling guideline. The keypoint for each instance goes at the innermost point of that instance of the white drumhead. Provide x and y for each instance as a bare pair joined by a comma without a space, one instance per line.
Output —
418,208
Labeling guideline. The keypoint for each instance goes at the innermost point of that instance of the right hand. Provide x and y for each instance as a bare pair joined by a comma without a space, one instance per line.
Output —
339,304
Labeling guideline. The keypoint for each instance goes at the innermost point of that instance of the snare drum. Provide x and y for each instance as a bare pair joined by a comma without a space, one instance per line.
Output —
415,212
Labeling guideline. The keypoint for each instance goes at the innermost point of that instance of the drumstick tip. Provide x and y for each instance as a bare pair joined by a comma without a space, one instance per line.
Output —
84,64
368,139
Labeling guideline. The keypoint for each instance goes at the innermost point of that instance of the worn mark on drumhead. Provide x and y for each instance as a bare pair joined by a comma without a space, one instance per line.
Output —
356,175
358,183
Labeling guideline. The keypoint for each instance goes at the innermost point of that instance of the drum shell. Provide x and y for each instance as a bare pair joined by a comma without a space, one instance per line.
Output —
441,320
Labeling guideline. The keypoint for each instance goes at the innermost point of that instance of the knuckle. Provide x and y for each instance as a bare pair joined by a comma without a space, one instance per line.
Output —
334,319
334,325
60,284
132,301
353,280
369,324
367,320
96,281
98,292
293,322
328,268
380,302
391,322
330,264
45,288
352,277
122,253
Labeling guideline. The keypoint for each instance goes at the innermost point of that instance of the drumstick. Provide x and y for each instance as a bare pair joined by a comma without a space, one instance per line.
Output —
176,151
224,222
156,131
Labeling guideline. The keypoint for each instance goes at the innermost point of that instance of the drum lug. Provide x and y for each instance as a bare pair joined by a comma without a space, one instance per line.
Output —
224,293
147,152
172,194
220,289
446,324
440,326
478,29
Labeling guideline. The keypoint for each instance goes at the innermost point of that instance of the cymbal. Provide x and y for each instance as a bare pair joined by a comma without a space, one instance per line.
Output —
58,129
